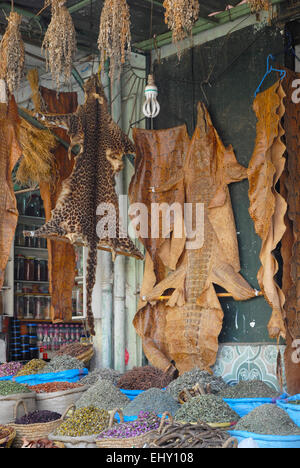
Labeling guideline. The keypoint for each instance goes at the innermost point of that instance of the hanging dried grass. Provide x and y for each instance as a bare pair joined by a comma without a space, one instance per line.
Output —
38,161
180,16
59,43
12,53
114,36
259,5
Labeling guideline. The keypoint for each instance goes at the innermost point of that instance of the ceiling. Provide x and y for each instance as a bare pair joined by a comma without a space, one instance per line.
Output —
86,16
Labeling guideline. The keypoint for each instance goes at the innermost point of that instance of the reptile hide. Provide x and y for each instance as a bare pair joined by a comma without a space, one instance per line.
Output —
267,206
10,152
87,210
291,241
185,330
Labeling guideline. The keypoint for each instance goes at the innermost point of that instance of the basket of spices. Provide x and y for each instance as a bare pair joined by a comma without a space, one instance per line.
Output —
81,428
10,394
57,396
34,425
7,436
131,434
209,409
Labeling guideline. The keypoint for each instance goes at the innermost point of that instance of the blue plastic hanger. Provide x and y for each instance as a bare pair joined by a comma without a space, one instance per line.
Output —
269,70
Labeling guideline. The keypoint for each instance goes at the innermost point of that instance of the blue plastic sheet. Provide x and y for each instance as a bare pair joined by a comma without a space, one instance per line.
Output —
131,394
268,441
244,406
8,377
73,375
292,410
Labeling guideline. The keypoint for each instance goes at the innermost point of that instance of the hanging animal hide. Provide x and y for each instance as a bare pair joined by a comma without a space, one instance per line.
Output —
193,316
87,209
267,206
291,241
61,255
10,152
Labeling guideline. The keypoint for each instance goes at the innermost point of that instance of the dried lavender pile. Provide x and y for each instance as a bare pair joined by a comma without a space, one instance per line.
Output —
101,374
146,422
10,368
268,420
208,409
249,389
143,378
37,417
103,395
154,400
61,364
189,379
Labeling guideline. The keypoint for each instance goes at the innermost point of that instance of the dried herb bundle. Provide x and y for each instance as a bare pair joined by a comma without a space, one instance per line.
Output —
114,35
38,162
59,43
12,53
259,5
180,16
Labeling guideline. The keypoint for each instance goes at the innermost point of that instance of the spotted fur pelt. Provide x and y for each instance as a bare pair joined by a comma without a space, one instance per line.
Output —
92,183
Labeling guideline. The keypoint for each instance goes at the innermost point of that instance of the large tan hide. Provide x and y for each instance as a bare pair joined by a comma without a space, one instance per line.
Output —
267,206
10,152
290,243
185,330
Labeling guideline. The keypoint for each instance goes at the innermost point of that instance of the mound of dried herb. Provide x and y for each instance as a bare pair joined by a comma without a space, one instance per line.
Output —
143,378
268,420
37,417
154,400
208,409
187,380
249,389
11,388
103,395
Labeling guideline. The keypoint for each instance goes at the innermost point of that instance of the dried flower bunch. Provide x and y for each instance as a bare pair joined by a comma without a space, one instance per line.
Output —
12,53
114,35
259,5
59,42
180,16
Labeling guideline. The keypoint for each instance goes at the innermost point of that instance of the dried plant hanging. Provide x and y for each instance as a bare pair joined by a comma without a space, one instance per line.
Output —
259,5
59,43
12,53
114,36
180,16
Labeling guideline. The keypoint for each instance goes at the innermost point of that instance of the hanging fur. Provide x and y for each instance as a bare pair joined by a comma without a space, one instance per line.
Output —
12,53
59,45
114,35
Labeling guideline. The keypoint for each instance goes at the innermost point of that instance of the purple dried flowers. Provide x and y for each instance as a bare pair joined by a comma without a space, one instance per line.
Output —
146,422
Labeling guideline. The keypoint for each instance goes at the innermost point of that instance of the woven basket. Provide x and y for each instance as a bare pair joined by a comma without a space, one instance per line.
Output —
131,442
32,431
9,437
87,355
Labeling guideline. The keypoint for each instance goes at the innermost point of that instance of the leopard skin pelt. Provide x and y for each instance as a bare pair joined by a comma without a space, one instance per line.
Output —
76,217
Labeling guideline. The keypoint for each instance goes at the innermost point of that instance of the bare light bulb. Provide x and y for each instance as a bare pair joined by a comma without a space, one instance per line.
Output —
151,108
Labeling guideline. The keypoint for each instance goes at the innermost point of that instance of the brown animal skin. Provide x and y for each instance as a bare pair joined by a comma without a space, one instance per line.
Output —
91,184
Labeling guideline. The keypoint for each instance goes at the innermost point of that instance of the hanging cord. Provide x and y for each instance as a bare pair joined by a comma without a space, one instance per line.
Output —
12,5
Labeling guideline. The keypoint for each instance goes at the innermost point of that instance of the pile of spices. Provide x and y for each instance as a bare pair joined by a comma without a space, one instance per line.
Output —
39,444
37,417
153,400
73,349
103,395
62,363
143,378
249,389
146,422
35,366
210,383
84,422
207,409
10,368
52,387
101,374
268,420
11,388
